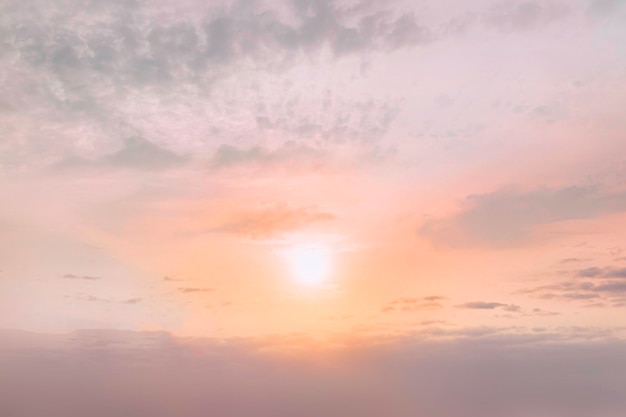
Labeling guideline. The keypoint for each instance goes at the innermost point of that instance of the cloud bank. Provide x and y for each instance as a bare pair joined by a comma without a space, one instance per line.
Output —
104,373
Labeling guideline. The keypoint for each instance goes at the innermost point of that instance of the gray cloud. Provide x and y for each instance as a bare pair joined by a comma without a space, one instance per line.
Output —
602,8
487,373
509,216
571,260
327,119
525,15
597,272
98,72
127,44
538,312
289,153
138,152
135,153
614,287
81,277
606,293
482,305
615,273
589,272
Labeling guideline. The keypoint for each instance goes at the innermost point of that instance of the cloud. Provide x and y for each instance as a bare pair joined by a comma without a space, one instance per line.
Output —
414,304
135,153
613,287
289,154
271,221
609,291
569,290
326,118
95,73
570,260
190,290
94,299
615,273
140,153
168,278
603,8
525,15
510,215
538,312
482,305
142,44
487,373
81,277
589,272
596,272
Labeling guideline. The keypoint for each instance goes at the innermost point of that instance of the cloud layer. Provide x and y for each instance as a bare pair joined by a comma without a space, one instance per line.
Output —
137,374
508,216
110,83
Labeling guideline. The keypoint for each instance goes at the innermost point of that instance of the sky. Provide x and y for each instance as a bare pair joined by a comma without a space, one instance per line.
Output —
377,205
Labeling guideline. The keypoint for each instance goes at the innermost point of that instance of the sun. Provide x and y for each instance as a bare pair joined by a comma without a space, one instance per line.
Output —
309,265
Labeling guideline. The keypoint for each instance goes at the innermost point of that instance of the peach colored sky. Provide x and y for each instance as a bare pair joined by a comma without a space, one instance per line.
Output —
462,165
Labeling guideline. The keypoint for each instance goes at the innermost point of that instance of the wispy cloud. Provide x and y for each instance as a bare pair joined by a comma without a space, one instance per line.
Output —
483,305
82,277
172,279
597,272
414,304
114,84
191,290
604,293
289,153
271,221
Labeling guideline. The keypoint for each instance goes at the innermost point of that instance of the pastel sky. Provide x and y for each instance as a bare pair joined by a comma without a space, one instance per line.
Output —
398,178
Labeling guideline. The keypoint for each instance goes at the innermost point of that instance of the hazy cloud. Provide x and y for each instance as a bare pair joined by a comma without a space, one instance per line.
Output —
589,272
81,277
615,287
135,153
525,15
414,304
168,278
487,373
96,73
141,153
189,290
605,293
602,8
510,215
271,221
596,272
570,260
289,153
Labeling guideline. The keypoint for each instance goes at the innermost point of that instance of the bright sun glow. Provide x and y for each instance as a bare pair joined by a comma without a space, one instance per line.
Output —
309,265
